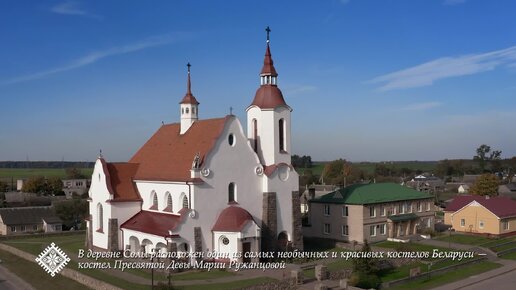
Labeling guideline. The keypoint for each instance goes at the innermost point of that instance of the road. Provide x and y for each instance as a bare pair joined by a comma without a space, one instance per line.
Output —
504,281
9,281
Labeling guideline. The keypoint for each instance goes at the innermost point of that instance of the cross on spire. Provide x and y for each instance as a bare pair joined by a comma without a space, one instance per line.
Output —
189,84
268,30
231,110
188,65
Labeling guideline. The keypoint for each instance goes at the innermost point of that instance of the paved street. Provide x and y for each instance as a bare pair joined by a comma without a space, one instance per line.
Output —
9,281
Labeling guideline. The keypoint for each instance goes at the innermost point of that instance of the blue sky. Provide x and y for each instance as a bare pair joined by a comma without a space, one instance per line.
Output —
368,80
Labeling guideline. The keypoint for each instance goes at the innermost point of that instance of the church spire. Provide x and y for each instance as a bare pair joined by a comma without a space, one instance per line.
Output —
189,98
189,106
268,75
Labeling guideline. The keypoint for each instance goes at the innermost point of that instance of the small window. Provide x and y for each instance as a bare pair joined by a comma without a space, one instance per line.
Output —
182,111
429,222
419,207
281,125
462,222
225,240
428,206
22,228
232,192
372,211
13,229
187,110
154,201
185,202
327,229
345,211
505,226
481,224
326,209
193,110
35,227
382,210
383,229
100,218
345,230
372,231
169,203
231,139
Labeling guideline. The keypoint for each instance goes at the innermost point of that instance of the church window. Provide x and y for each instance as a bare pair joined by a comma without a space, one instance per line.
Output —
169,203
225,240
187,110
231,140
100,218
232,192
281,135
154,201
182,111
185,202
255,135
193,110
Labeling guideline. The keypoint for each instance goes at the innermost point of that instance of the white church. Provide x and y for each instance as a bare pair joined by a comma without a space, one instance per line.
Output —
204,185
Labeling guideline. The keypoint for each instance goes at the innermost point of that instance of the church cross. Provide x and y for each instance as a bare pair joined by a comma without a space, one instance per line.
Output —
268,31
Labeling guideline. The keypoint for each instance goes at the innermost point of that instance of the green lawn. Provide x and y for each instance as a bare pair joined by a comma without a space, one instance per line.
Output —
437,280
504,247
409,246
338,264
511,256
401,272
465,239
495,242
18,173
34,245
34,275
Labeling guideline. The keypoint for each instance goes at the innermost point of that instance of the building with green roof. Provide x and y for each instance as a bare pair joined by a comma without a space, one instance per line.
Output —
375,211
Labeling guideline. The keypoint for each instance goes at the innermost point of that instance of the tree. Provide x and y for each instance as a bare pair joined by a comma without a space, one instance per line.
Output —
483,158
301,162
54,186
74,173
34,184
4,187
365,270
72,212
486,184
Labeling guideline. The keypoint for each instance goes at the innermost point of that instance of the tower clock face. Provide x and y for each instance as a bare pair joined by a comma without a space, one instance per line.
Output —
283,172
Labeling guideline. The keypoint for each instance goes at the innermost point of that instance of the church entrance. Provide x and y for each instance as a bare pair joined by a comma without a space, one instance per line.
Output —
246,248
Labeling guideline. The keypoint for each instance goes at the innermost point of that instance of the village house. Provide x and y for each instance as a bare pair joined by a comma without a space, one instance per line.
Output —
373,212
24,220
204,185
481,214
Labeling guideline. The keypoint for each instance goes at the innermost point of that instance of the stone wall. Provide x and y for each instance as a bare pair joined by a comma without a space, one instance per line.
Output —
269,221
113,235
297,228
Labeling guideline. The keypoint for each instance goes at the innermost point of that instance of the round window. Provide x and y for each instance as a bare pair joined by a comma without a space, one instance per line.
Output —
225,240
231,139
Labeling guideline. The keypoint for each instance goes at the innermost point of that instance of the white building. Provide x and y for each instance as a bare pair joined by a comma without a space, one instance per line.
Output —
204,185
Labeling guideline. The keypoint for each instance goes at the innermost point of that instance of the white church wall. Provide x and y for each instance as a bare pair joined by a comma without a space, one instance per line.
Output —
177,190
99,193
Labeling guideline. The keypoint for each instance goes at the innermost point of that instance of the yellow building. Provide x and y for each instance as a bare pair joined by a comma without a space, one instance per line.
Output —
482,215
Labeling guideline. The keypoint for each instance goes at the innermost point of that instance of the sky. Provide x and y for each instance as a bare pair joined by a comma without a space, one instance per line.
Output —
367,80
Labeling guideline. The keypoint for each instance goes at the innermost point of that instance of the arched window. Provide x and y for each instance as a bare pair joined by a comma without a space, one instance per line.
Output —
185,202
154,201
182,111
193,110
232,192
169,203
187,110
281,135
100,218
255,135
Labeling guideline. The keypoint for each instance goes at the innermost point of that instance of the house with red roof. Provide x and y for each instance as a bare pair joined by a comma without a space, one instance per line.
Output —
482,215
204,185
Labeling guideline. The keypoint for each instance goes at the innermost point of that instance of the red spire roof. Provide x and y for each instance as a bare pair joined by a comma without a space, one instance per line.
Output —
189,98
268,64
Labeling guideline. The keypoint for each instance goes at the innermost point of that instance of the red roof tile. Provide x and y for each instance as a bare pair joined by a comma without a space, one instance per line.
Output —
232,219
268,64
501,206
168,155
268,97
153,223
120,181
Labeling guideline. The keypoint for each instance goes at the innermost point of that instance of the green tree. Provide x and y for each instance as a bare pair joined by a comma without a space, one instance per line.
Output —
74,173
365,270
485,155
54,186
486,184
72,212
35,184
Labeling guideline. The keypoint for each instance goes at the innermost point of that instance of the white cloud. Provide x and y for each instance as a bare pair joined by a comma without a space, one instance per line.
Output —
446,67
72,8
94,57
422,106
454,2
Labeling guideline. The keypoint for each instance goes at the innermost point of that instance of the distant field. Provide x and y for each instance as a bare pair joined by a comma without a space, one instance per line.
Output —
425,166
18,173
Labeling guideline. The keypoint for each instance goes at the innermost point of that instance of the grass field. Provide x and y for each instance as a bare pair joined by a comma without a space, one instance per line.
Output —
437,280
19,173
465,239
510,256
